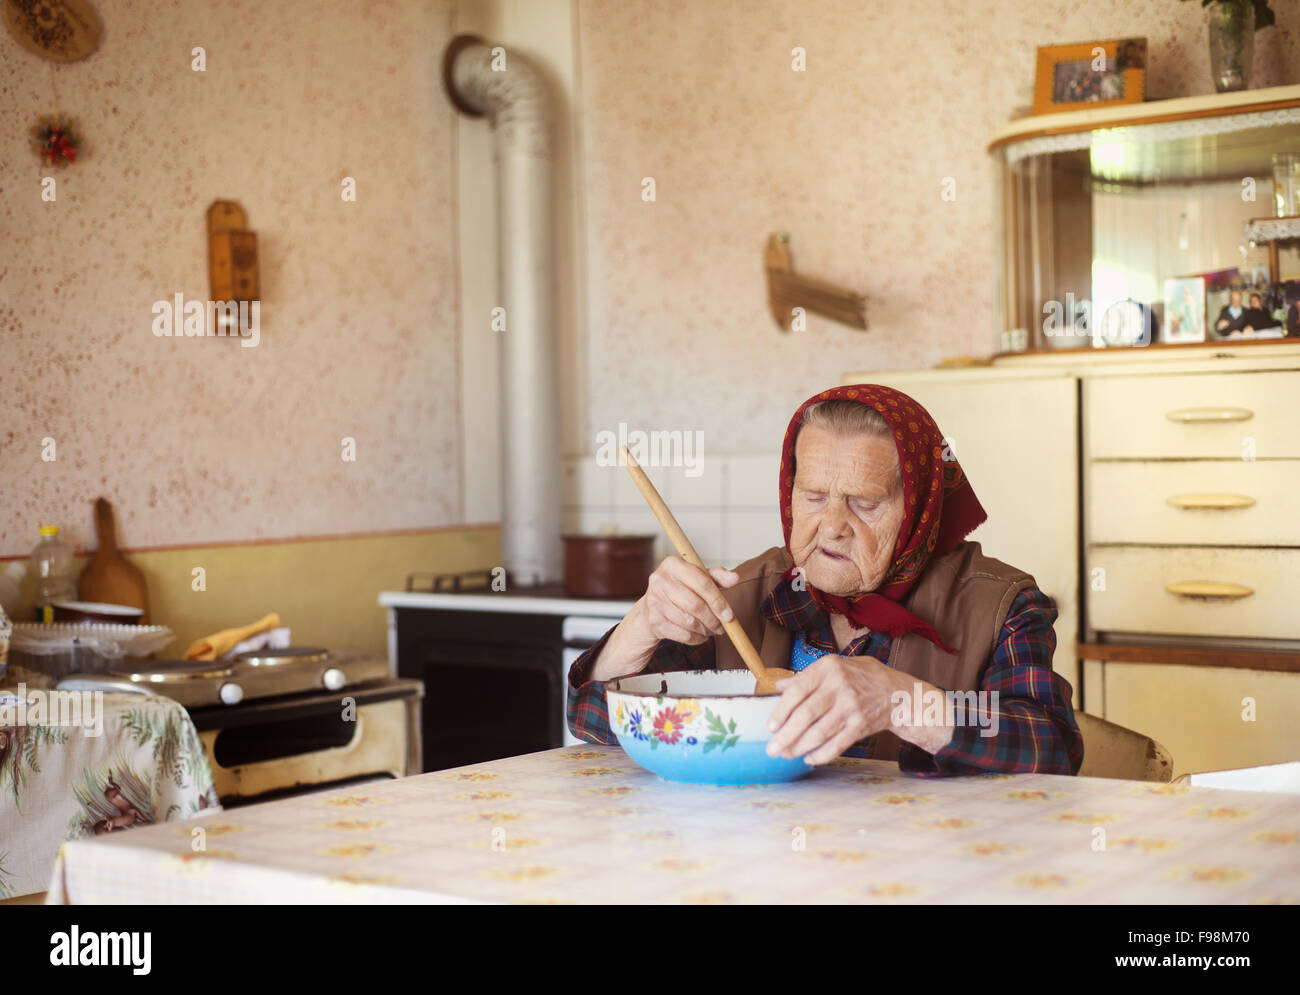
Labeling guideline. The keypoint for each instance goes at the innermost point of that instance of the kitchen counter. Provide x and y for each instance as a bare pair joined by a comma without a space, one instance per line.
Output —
584,824
549,599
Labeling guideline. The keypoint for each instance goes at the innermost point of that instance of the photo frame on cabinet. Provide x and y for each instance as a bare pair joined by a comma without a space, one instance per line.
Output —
1291,308
1249,316
1090,74
1184,310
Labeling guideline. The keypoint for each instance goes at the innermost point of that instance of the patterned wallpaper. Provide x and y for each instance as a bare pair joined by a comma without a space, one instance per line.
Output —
847,156
200,439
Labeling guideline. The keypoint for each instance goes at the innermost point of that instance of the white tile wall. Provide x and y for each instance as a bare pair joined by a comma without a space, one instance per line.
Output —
729,510
587,485
634,521
751,481
703,491
749,532
705,527
625,494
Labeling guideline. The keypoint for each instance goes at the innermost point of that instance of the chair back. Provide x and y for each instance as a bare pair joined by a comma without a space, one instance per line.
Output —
1110,750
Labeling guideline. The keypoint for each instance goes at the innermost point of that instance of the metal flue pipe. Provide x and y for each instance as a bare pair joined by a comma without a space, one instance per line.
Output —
485,80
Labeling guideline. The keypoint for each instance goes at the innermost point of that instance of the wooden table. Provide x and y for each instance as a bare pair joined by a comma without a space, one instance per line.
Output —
584,824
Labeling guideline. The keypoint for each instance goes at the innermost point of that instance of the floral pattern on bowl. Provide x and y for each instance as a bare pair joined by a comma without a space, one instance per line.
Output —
699,726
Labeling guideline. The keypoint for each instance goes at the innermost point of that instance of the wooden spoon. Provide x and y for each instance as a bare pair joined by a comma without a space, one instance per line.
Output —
109,577
765,677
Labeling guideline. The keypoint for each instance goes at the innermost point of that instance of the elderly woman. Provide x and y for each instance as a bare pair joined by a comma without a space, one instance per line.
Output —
875,600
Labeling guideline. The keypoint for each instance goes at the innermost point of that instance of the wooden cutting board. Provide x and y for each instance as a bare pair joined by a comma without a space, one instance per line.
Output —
109,577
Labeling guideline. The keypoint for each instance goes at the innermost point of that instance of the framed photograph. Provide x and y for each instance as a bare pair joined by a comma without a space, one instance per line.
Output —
1240,313
1090,74
1290,310
1184,310
1221,279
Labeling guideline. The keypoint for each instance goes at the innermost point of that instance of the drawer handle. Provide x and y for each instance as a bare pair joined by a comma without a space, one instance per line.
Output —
1192,415
1217,502
1209,589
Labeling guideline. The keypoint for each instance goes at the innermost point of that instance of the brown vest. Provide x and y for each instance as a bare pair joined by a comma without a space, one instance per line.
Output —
964,594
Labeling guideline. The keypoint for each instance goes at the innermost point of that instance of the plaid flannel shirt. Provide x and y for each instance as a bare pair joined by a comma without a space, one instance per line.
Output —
1036,728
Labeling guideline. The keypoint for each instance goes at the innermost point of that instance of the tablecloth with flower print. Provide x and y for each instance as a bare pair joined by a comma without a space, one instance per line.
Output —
584,824
62,780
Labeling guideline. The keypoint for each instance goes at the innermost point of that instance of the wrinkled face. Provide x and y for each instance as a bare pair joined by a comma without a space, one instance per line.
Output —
847,508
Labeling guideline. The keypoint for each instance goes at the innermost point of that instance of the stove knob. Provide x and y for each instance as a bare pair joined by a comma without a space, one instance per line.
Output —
333,678
231,694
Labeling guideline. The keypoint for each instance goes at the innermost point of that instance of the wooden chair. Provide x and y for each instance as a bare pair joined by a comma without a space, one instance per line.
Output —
1112,751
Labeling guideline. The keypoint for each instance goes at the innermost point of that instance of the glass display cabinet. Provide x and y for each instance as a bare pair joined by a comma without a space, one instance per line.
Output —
1169,222
1150,490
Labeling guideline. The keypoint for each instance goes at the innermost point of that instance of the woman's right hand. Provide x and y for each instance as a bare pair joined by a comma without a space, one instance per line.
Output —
681,604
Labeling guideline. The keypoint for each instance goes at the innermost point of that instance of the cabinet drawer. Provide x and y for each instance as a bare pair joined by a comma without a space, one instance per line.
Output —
1258,596
1211,502
1193,415
1199,713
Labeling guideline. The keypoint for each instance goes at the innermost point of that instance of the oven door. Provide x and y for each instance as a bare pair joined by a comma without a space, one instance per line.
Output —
274,747
489,694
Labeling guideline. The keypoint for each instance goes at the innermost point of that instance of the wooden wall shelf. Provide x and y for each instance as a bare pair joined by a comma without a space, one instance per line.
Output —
787,290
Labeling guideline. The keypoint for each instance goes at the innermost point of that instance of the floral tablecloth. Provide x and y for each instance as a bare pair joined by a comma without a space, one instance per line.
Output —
62,779
584,824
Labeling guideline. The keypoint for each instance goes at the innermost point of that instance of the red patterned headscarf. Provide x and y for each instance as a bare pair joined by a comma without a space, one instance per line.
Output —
939,509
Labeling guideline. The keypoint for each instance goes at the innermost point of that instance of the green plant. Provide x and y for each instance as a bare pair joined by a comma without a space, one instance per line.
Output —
1263,12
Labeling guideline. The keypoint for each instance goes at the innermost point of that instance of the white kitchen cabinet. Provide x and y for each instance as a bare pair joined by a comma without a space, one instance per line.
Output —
1152,493
1188,541
1234,416
1196,502
1209,718
1194,591
1016,437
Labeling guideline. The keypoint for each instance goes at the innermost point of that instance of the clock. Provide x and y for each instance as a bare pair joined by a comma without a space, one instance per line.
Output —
59,30
1127,322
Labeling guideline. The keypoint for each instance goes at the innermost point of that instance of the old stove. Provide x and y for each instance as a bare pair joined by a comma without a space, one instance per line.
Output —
284,721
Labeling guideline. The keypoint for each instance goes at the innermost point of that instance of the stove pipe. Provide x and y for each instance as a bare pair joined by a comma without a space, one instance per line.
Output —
486,80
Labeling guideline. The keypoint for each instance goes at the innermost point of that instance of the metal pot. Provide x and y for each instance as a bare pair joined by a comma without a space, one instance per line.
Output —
612,566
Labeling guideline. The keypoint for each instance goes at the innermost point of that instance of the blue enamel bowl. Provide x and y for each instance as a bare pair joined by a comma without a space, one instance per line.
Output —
698,726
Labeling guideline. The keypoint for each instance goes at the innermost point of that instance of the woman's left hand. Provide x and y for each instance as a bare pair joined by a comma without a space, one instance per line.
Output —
837,701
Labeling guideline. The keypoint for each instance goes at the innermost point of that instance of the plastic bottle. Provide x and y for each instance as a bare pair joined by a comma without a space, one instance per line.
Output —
52,561
11,595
